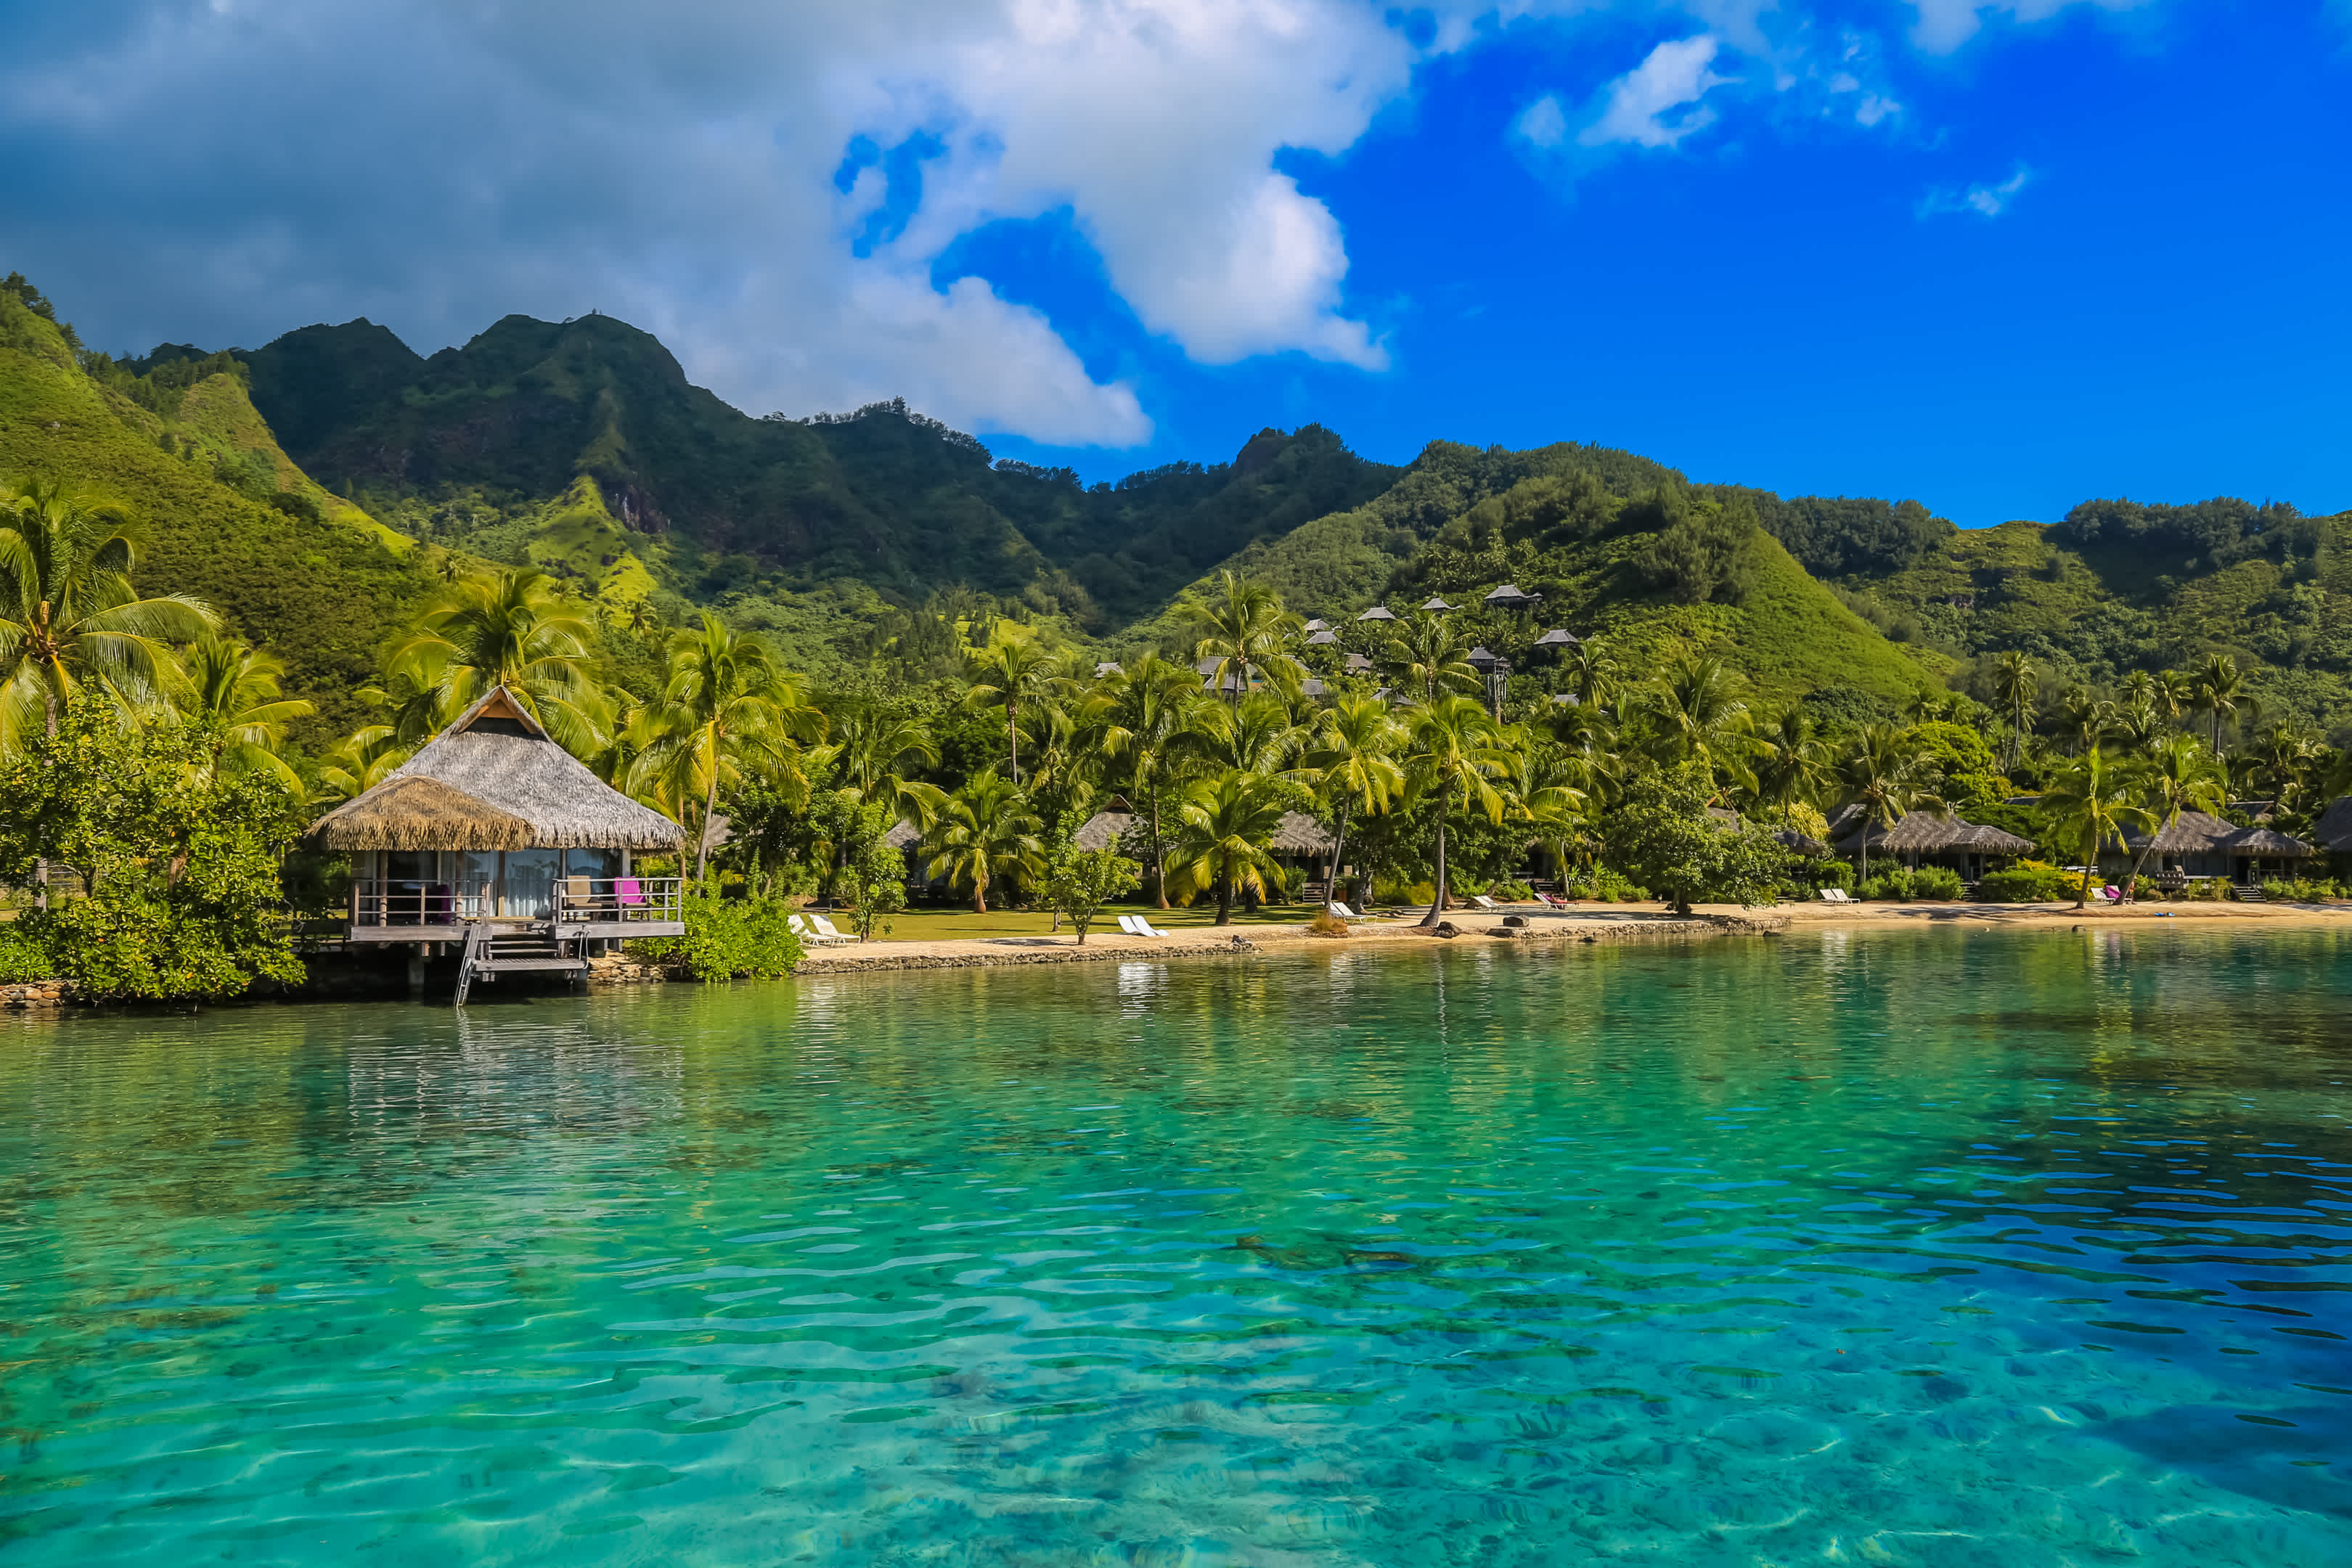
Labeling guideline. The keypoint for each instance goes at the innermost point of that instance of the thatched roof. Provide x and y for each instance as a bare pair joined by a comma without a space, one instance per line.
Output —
1378,612
2333,828
1436,604
495,756
1102,829
902,835
2194,834
2266,841
1559,637
1987,840
1920,833
1300,834
417,814
1801,843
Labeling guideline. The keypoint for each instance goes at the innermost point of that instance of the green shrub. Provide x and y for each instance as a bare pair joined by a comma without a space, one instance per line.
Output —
2028,885
1937,883
1603,885
728,939
1892,886
23,957
2281,892
1832,874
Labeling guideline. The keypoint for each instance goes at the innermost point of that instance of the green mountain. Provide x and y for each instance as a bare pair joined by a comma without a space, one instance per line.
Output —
291,484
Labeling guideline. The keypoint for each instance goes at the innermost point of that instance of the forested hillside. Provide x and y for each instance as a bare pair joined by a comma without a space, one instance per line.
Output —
228,517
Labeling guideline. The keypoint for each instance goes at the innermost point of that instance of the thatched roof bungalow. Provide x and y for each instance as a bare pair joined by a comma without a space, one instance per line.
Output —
493,820
1922,836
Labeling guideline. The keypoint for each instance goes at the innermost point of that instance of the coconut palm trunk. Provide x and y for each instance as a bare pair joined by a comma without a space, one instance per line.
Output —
1225,889
702,835
1339,849
1158,856
1437,903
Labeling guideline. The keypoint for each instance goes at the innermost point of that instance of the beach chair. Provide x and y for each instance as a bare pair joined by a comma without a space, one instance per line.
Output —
1834,896
824,928
1554,901
1143,927
809,933
1481,901
1133,925
1341,911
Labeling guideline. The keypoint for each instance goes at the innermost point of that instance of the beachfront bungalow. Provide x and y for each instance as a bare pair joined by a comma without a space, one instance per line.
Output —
2197,846
494,825
1924,838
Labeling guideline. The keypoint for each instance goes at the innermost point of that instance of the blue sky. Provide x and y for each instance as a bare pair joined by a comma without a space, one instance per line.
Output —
1997,257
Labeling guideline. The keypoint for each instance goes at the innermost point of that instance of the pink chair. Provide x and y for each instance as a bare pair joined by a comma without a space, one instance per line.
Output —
628,890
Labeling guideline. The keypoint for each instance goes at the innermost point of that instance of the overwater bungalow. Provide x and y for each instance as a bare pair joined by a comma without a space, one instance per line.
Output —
493,829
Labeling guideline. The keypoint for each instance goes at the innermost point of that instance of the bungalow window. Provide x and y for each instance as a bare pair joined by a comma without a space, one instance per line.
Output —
530,882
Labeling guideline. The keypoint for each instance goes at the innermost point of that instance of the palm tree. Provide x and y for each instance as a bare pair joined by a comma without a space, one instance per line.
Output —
1352,763
1243,627
360,762
512,629
2092,802
2015,681
2175,694
2221,691
1886,773
871,754
1696,716
2083,720
233,700
1545,787
1256,734
727,702
1147,718
1791,763
1221,833
986,837
2179,774
1014,669
1591,676
1452,747
2138,728
1426,657
69,615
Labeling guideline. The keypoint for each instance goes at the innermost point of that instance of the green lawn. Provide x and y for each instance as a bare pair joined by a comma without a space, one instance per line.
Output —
962,925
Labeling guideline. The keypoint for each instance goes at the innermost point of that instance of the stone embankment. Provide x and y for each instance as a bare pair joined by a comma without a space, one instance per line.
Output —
37,994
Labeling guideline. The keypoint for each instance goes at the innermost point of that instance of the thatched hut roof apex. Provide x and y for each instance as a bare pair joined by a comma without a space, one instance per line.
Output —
2193,833
2266,841
497,756
1300,834
1920,833
1102,830
2333,828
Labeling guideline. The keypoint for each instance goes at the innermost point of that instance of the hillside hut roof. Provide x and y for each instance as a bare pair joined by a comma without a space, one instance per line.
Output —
2194,834
1300,834
1358,665
1101,830
2334,829
1318,623
1511,597
1310,687
1480,658
500,758
1324,637
1436,604
903,834
1802,843
2266,841
417,814
1559,637
1378,612
1108,666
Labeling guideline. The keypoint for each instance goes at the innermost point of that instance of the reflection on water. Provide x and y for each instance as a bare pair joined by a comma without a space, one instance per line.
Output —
1928,1248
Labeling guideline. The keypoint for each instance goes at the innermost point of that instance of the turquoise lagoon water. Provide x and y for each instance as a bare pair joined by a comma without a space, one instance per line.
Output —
1933,1248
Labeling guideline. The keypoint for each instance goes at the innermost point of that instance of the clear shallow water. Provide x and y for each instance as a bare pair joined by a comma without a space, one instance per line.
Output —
1934,1248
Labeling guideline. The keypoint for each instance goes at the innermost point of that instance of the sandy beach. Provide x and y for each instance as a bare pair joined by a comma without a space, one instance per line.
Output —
1584,923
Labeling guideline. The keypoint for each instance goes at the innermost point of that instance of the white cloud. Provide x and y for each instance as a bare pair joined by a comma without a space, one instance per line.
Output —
1984,201
1674,74
1543,123
1945,24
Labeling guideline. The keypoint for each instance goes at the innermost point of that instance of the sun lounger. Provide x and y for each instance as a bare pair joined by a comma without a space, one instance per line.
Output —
1143,927
824,928
1480,900
1555,900
810,934
1133,925
1835,896
1343,913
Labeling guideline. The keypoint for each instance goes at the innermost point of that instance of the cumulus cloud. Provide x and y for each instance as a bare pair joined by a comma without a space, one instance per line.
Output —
1638,104
1945,24
1984,201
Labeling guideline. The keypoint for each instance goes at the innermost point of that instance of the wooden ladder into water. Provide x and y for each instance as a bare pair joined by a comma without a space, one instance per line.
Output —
493,950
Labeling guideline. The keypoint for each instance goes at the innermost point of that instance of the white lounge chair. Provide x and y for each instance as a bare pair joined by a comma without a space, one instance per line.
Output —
1343,913
1143,927
1481,901
1128,923
824,928
810,934
1835,896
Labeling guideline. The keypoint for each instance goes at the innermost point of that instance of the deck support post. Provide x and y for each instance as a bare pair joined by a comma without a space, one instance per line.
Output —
416,970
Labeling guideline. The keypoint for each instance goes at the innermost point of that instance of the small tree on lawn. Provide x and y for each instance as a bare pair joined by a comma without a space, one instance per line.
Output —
873,878
1079,883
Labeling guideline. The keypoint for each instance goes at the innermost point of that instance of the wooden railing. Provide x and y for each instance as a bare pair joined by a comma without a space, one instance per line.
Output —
407,902
582,899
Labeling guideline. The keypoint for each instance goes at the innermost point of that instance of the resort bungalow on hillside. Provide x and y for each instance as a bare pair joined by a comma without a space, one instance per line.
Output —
2197,846
493,830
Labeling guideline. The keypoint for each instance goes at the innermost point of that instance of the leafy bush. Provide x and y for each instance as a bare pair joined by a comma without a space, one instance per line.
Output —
1511,892
22,956
182,865
1937,883
1078,882
1605,886
1326,923
1891,886
2030,883
1832,874
1660,833
728,939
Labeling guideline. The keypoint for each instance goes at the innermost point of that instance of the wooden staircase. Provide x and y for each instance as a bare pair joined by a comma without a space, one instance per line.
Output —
492,950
